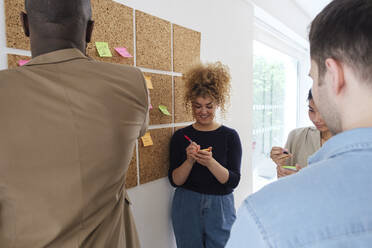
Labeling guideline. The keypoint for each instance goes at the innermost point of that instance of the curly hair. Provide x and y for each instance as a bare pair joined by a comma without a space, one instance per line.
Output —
212,79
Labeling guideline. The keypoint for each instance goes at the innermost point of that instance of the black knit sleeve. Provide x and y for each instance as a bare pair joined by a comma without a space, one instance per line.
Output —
177,155
234,155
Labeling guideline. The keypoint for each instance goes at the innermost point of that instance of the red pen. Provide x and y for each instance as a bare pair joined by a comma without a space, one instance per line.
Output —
187,137
209,149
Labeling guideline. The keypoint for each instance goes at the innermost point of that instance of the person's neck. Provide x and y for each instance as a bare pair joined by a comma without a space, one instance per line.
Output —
208,127
325,135
51,45
358,114
362,122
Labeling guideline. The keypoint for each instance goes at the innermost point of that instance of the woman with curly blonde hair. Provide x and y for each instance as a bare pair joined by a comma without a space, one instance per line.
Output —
205,162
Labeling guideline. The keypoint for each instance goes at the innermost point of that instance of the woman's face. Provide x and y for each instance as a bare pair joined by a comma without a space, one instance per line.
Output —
315,117
204,110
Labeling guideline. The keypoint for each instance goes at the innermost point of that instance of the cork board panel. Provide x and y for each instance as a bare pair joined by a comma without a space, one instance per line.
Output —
152,169
180,112
160,95
13,60
113,23
15,37
131,175
153,42
186,48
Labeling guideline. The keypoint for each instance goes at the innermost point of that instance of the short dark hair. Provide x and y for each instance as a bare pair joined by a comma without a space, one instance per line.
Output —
310,96
343,31
58,11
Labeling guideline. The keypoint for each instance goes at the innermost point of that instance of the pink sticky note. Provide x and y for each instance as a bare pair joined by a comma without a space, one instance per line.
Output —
150,106
22,62
123,52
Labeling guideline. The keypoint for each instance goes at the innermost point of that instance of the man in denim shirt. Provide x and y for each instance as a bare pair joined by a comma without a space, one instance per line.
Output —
329,203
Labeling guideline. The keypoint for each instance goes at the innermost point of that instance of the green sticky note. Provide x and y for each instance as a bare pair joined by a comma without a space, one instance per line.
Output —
289,167
164,109
103,49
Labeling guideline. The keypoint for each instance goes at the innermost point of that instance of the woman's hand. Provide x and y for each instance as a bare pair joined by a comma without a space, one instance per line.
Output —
191,152
278,156
205,158
282,172
181,174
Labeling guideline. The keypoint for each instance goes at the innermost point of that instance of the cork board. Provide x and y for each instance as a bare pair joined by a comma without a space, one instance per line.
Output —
131,175
160,95
152,169
15,37
13,59
186,48
180,113
153,42
113,23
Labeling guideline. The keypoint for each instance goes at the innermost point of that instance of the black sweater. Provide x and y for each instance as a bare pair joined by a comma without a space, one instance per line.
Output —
226,150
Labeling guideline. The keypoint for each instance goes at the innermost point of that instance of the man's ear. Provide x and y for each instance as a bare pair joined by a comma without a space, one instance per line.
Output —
24,21
336,75
89,31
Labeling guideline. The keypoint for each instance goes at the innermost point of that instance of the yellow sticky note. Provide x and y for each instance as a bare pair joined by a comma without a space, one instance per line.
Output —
164,109
147,140
103,49
148,82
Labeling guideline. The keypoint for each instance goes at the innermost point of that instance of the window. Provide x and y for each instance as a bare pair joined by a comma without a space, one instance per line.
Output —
275,81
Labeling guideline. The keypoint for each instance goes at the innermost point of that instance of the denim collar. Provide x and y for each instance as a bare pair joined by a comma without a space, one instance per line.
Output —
354,139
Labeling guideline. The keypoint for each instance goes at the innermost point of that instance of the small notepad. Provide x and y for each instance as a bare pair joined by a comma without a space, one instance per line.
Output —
103,49
164,109
147,140
149,83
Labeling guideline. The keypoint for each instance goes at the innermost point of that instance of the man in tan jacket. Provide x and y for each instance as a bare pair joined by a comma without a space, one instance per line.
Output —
68,125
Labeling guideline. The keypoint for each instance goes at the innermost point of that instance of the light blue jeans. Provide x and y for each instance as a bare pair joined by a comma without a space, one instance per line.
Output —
201,220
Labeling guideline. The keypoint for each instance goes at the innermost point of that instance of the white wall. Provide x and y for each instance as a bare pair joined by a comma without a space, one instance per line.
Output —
227,30
288,12
227,35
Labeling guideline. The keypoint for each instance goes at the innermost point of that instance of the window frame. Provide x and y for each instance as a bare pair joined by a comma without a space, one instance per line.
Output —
267,32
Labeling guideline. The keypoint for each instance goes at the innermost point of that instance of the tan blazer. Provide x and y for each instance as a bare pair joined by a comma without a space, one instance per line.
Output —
68,125
302,143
